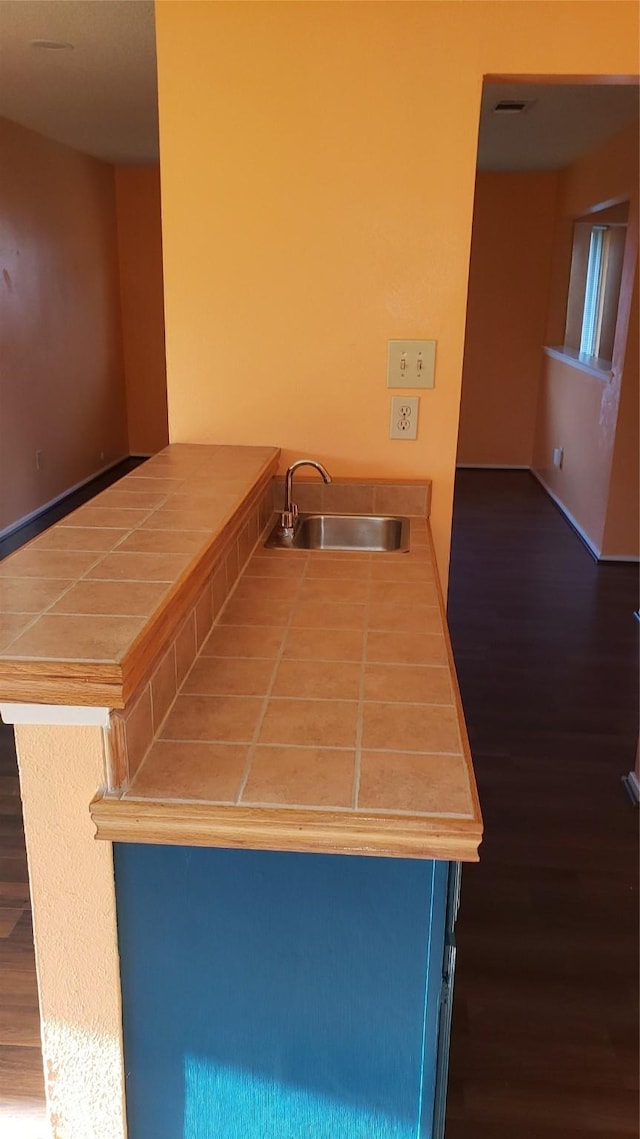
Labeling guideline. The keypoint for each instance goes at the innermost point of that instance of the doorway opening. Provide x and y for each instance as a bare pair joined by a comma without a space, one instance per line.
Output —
550,375
542,623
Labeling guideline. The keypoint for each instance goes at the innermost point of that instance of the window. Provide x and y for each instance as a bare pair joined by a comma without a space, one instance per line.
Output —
594,286
594,291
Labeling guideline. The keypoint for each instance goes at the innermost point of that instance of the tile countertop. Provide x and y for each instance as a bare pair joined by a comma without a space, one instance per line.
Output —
321,714
85,606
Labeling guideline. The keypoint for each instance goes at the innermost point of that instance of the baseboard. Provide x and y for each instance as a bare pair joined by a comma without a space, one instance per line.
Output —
24,521
575,525
628,559
492,467
591,546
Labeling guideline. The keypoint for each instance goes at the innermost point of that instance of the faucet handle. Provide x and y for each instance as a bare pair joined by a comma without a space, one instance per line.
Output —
288,517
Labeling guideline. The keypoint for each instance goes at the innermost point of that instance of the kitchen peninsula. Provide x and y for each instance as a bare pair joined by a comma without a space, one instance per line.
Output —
270,748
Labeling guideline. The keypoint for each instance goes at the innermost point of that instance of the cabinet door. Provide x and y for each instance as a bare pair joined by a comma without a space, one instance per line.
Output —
279,996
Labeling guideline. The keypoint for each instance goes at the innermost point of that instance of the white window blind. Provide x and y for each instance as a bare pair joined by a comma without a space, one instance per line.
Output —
594,292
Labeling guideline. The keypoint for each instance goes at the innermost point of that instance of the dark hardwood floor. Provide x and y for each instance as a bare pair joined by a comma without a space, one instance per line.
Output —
21,1081
546,999
545,1014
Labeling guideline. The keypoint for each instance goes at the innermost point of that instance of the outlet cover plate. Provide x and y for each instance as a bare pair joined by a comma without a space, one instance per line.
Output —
404,417
411,363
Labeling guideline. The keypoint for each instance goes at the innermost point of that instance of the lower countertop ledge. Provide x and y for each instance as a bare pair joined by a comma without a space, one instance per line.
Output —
322,715
329,832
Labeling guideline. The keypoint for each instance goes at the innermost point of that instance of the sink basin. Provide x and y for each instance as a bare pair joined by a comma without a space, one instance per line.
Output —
371,534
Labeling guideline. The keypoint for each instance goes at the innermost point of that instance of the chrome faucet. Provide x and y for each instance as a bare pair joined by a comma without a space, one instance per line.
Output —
290,512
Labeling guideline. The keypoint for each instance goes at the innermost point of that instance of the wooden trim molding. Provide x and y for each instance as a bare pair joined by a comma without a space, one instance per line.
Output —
329,832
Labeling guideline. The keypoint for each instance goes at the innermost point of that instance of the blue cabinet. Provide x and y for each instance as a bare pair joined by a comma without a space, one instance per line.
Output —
272,995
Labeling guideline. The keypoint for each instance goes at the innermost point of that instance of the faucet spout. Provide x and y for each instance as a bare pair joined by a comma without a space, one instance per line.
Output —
290,512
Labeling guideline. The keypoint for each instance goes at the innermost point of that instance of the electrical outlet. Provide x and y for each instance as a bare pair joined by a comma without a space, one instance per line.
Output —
404,417
38,460
558,457
411,363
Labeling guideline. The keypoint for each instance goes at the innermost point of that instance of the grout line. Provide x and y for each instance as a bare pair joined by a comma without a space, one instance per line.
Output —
235,656
252,743
313,628
320,660
135,580
172,530
261,715
132,778
261,805
97,613
155,734
326,660
261,695
360,699
170,650
360,720
76,549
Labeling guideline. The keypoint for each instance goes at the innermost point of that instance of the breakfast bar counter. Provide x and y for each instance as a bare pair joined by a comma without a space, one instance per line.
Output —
281,699
247,794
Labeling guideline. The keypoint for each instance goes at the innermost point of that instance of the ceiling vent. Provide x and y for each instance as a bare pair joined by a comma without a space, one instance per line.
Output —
51,45
512,106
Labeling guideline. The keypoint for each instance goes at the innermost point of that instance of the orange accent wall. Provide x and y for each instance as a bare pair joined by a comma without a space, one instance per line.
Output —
318,168
509,277
61,375
142,306
580,412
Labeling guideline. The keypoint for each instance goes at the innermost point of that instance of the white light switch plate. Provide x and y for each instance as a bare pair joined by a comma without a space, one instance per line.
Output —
411,363
404,417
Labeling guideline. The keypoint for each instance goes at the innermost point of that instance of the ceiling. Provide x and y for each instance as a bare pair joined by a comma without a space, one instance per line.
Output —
563,122
100,94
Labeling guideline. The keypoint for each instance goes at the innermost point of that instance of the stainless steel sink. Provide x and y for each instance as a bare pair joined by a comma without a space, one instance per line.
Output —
372,534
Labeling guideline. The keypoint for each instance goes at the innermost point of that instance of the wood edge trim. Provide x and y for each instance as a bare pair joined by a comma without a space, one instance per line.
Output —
85,685
119,820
